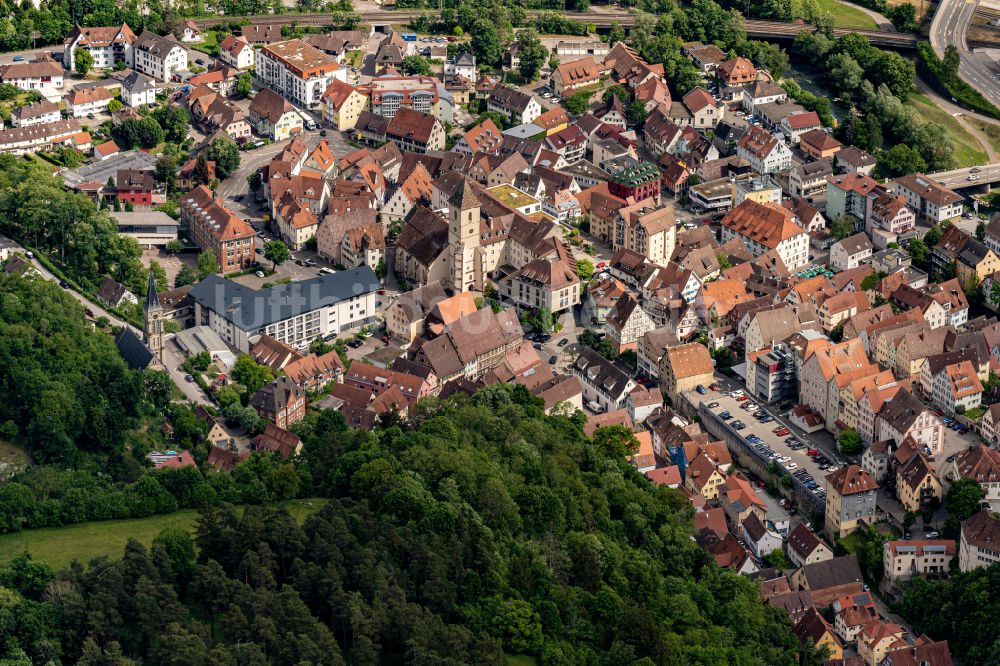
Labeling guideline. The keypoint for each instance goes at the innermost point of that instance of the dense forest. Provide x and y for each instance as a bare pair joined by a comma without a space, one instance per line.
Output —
481,528
962,610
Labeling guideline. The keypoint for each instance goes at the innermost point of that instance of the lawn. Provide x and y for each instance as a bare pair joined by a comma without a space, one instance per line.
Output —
846,16
59,546
968,152
990,129
854,542
975,414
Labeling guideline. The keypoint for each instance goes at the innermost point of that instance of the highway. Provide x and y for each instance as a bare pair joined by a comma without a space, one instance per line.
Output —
950,24
959,178
775,30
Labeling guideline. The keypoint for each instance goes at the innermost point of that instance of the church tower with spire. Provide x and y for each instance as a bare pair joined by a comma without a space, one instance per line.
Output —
152,323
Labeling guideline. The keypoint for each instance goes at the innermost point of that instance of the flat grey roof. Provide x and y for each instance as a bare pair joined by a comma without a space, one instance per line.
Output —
250,309
99,172
144,218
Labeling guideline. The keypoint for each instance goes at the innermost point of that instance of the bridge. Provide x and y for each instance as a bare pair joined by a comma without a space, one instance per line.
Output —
768,30
979,177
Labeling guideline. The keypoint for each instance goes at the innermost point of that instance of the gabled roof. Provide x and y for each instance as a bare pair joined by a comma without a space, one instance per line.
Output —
850,480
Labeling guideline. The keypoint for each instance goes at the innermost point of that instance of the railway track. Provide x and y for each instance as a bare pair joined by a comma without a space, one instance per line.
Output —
757,29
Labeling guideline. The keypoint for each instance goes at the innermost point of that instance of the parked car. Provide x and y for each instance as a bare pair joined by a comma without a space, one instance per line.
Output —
354,344
259,274
932,535
563,342
552,360
19,58
385,339
700,389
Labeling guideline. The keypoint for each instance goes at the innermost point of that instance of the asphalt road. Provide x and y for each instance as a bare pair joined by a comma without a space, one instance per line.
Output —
950,24
957,178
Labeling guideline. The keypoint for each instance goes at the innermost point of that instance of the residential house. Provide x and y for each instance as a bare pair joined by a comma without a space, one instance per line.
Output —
818,144
549,281
262,33
603,383
851,252
763,150
761,540
159,57
88,101
237,52
415,131
281,401
684,367
979,545
904,560
736,71
114,294
342,105
42,75
110,47
796,124
975,263
569,77
847,194
850,500
829,579
626,323
703,477
956,388
982,464
813,628
767,227
762,91
297,71
855,160
646,229
934,202
917,484
277,440
272,116
36,113
905,416
137,90
518,107
875,640
803,547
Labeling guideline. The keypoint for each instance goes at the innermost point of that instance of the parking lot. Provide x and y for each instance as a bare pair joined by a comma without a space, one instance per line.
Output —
789,449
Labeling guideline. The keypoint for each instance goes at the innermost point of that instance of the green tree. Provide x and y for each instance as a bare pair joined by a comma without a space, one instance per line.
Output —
226,155
532,54
917,249
115,105
485,42
981,231
963,498
578,103
842,227
174,120
82,61
381,270
244,85
207,264
584,269
250,373
777,559
723,260
201,174
414,64
185,276
276,252
617,33
899,160
850,442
